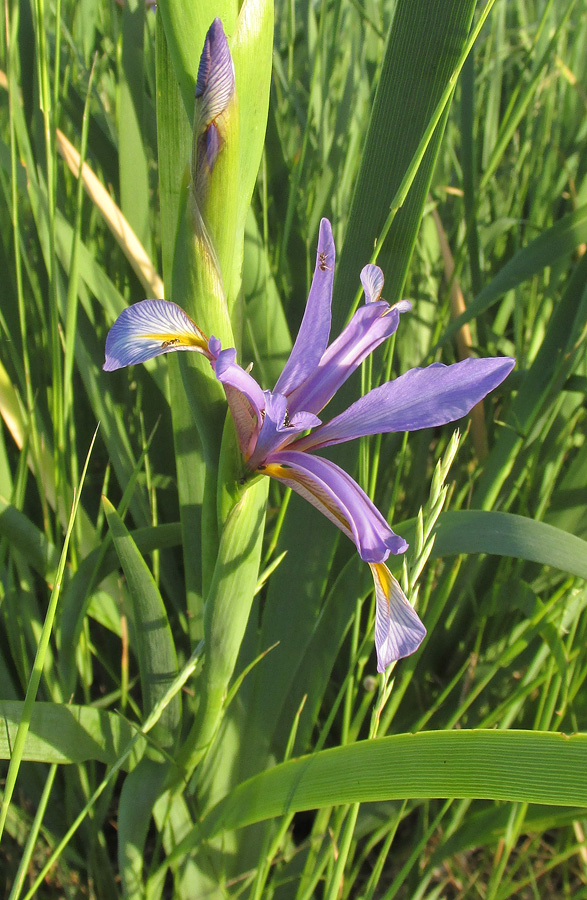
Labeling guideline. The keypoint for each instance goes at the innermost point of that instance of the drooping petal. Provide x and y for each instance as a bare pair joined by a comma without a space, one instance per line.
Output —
328,487
148,329
421,398
245,399
398,629
369,327
215,81
314,332
277,428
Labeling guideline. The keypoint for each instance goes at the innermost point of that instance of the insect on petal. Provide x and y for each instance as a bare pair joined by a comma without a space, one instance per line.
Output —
148,329
314,332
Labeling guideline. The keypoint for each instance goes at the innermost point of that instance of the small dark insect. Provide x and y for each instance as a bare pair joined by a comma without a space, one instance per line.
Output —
170,343
322,257
286,421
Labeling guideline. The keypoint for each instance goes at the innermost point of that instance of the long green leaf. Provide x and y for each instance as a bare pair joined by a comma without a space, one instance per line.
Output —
40,656
505,534
65,733
174,131
426,39
155,648
132,158
524,766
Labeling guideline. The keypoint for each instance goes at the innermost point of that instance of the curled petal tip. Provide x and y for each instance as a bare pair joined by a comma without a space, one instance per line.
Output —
148,329
372,280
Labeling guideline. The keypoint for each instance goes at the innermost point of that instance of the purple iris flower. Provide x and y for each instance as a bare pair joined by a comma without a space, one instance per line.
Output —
279,430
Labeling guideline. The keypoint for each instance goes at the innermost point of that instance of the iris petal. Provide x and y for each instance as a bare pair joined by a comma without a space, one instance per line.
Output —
398,629
245,399
228,371
337,496
372,280
148,329
278,429
369,327
421,398
314,332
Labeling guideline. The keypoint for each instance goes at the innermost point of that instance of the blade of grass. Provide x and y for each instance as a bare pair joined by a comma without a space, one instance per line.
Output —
151,720
35,678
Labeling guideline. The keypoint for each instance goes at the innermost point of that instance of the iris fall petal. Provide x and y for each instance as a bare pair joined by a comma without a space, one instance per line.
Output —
335,494
148,329
398,629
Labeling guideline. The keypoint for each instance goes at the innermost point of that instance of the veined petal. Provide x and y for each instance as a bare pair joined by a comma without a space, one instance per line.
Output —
372,280
398,629
421,398
314,332
245,399
228,371
369,327
148,329
246,421
215,81
328,487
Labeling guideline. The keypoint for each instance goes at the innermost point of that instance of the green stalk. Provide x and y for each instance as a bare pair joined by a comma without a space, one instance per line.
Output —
13,104
48,111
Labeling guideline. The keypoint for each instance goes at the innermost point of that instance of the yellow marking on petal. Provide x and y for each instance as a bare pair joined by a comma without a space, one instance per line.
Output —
383,577
173,339
275,470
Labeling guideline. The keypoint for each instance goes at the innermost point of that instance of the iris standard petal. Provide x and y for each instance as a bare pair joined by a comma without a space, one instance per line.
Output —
314,332
398,629
372,280
148,329
369,327
421,398
328,487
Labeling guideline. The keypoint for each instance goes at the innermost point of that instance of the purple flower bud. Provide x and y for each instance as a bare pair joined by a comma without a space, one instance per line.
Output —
214,90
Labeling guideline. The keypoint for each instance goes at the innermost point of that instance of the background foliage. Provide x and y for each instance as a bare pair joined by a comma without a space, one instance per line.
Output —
111,788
